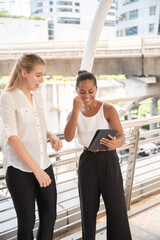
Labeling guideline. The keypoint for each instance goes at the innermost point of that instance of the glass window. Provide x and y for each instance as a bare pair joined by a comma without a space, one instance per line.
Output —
133,14
152,10
120,33
151,27
132,31
109,23
125,2
64,3
39,4
39,11
51,2
68,20
159,30
77,3
51,9
50,24
77,10
64,9
111,13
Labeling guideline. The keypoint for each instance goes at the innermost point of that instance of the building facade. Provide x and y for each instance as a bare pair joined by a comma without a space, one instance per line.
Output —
137,17
15,30
71,20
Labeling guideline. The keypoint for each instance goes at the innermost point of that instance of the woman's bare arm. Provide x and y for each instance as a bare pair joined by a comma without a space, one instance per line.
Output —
112,117
72,119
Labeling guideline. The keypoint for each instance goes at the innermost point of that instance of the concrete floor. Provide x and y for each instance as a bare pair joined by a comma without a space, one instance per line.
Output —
144,226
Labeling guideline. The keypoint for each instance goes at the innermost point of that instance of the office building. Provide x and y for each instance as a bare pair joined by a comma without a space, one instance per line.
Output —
71,20
137,17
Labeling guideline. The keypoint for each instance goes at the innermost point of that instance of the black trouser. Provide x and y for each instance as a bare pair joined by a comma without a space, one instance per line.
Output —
99,173
24,189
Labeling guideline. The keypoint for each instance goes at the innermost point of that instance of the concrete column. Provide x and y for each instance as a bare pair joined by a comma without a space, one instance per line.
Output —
154,112
95,31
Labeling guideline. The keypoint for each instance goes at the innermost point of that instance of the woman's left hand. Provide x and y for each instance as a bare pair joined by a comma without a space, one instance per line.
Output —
110,143
56,143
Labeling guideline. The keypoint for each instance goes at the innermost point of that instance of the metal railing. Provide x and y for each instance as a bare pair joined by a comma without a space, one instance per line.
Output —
126,46
140,166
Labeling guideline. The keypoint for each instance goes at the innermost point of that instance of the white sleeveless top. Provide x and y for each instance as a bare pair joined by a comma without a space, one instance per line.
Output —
87,126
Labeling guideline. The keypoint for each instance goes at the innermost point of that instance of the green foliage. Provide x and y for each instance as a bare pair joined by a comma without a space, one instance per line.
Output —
7,15
111,77
36,18
61,78
3,82
145,109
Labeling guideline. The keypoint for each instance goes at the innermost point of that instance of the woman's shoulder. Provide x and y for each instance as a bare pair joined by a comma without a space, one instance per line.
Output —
109,110
5,95
108,106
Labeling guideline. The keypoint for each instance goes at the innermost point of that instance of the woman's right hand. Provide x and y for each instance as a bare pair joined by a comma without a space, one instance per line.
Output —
77,103
42,177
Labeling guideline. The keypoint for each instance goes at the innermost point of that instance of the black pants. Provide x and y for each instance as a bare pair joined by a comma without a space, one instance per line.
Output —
24,189
99,173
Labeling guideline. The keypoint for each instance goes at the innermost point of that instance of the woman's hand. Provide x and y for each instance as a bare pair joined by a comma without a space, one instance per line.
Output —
42,177
77,103
56,143
111,143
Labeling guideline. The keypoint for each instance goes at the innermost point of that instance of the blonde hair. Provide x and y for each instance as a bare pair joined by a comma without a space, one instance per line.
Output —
26,62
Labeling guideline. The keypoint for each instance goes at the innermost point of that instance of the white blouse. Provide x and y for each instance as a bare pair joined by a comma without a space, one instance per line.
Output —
87,126
20,118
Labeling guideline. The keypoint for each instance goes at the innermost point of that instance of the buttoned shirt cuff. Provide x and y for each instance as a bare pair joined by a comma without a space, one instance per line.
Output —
9,132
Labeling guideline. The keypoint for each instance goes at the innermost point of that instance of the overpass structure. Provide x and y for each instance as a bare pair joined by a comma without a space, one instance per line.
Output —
129,56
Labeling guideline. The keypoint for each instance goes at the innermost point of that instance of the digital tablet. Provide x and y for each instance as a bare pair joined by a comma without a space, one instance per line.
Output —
101,133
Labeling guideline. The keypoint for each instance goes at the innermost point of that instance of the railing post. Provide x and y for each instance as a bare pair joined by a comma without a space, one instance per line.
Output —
131,167
143,51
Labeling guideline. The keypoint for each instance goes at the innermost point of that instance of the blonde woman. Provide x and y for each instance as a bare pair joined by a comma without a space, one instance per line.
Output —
28,169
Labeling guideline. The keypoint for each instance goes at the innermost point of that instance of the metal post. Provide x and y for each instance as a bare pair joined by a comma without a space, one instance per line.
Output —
131,167
154,112
143,50
96,28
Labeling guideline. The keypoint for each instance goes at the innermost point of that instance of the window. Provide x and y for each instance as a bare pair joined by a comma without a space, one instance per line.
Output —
51,9
132,31
133,14
77,3
152,10
111,13
39,11
151,27
39,4
50,2
64,9
50,30
125,2
109,23
159,30
68,20
64,3
120,33
77,10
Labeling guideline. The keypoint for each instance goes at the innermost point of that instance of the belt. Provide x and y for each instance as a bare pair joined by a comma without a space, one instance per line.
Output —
86,149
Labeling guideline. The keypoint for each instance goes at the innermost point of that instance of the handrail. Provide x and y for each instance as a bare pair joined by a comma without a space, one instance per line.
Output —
145,170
